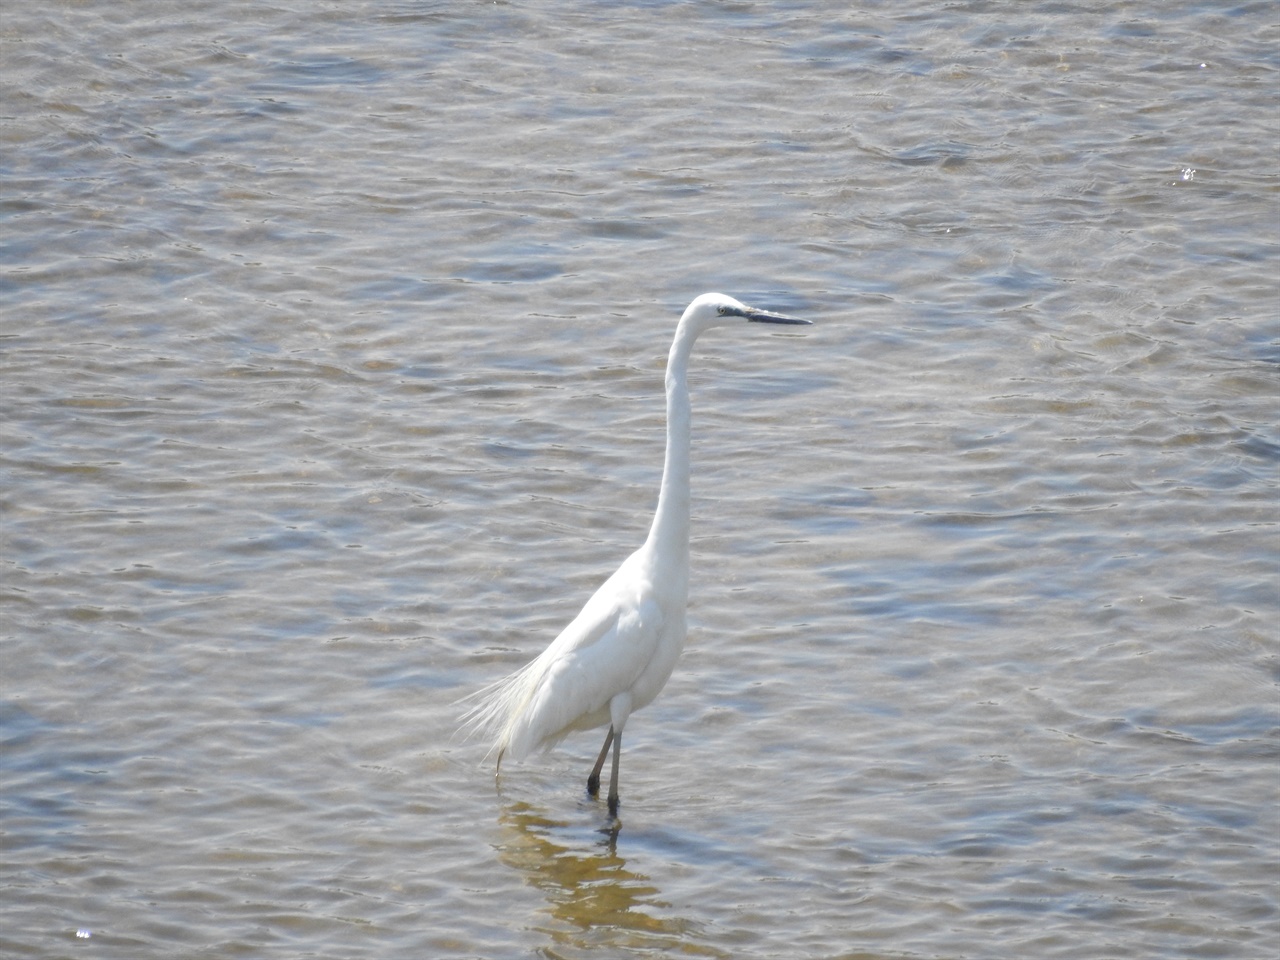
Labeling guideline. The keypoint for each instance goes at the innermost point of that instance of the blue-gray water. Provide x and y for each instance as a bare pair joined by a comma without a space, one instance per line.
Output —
331,353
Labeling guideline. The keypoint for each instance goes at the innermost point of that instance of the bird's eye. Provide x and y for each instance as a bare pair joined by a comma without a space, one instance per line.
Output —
722,310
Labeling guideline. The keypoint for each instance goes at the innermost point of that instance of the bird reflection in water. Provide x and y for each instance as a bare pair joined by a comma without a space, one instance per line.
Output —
594,900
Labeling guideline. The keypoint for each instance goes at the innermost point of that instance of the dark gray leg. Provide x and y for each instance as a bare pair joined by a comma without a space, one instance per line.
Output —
593,781
613,780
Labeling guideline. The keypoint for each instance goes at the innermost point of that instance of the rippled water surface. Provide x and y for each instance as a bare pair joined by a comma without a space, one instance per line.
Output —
331,352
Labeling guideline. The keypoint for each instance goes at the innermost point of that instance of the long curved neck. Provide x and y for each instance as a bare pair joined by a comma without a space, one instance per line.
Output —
669,535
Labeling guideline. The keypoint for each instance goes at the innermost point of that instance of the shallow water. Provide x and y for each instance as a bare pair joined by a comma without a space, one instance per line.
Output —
330,366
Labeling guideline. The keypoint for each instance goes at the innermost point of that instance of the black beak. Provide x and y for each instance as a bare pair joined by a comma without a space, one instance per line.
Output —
766,316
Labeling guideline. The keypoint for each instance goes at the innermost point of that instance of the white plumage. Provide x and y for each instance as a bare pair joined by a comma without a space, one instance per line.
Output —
617,653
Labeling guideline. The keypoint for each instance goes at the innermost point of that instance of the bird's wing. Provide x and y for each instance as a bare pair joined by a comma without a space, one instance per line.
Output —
599,655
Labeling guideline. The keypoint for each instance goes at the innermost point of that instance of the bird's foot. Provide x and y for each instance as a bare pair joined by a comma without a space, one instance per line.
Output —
593,785
613,805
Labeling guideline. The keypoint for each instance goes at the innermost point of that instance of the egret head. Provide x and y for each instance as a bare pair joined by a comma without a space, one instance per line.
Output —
715,309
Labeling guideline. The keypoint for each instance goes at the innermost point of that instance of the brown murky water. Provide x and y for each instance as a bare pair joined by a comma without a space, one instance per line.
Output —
331,353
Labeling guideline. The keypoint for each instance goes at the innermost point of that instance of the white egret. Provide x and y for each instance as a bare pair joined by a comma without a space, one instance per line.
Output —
616,655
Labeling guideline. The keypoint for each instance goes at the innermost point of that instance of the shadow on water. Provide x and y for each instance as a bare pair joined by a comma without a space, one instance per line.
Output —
594,900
